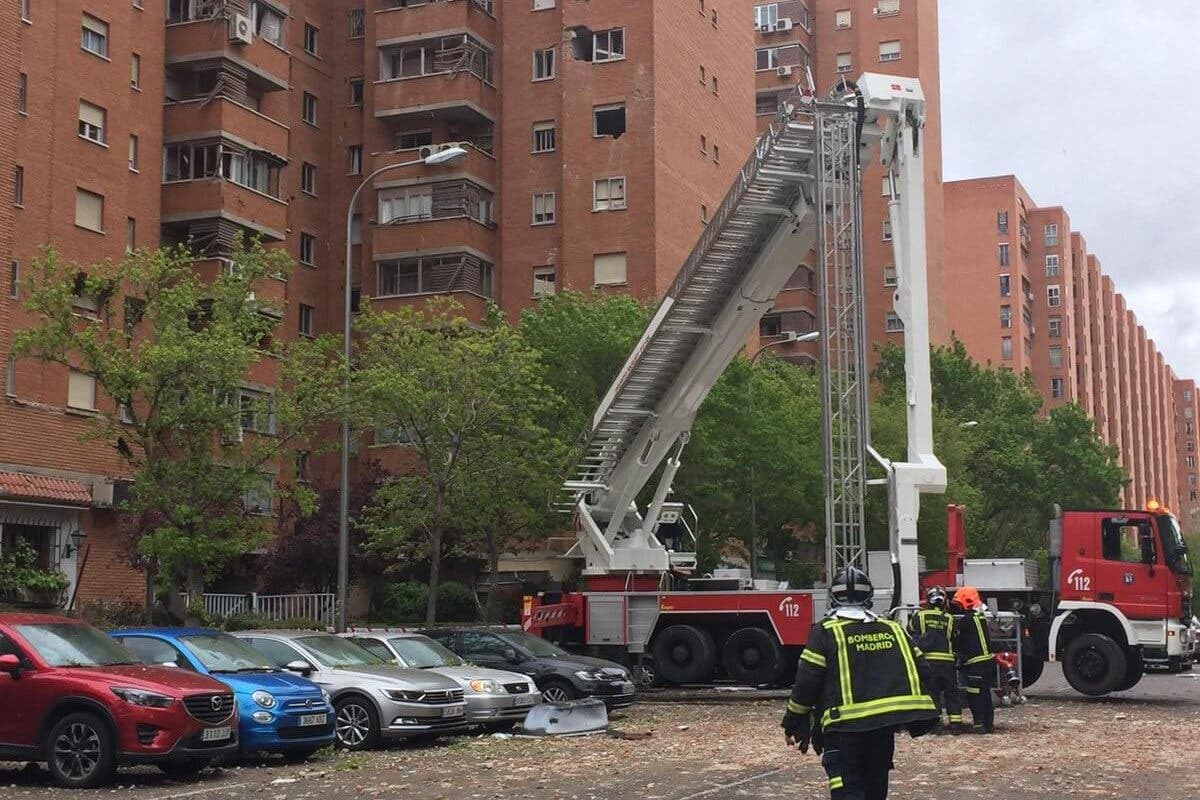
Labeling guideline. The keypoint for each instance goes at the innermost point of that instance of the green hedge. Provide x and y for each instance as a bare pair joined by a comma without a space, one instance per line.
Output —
405,602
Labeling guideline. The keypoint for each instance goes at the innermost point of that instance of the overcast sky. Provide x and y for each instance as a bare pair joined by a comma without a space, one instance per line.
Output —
1087,103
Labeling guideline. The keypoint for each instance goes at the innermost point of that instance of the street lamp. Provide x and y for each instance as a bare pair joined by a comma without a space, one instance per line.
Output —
788,338
441,157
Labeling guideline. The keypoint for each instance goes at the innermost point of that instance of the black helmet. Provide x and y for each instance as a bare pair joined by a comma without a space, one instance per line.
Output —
851,587
936,597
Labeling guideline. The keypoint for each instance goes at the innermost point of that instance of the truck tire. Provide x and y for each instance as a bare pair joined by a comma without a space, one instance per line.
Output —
1031,671
684,654
752,656
1134,670
1094,664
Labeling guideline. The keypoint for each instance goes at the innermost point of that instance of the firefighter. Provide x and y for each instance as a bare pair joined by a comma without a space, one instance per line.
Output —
973,647
933,630
860,679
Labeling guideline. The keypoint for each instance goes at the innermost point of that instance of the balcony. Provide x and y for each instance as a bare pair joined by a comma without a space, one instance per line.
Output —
392,241
184,201
208,39
403,23
477,164
272,292
197,119
460,97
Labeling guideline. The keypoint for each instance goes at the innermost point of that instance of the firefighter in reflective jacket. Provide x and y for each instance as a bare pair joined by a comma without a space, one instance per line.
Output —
933,630
860,680
973,647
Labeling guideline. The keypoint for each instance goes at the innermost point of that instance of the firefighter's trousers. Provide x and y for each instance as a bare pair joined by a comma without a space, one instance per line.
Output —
980,679
857,764
943,686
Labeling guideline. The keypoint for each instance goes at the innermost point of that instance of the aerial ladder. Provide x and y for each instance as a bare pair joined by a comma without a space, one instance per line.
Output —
800,189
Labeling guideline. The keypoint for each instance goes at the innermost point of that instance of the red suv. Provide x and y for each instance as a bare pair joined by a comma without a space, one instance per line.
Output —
77,700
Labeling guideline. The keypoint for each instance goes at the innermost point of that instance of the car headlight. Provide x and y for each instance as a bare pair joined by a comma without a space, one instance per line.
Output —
403,695
585,675
327,697
140,697
484,686
264,699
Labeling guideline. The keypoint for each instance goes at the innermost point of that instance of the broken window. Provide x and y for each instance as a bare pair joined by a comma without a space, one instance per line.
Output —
609,120
608,45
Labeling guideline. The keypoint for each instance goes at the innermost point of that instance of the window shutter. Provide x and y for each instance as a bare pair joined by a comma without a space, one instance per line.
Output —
95,26
81,391
609,269
89,210
92,115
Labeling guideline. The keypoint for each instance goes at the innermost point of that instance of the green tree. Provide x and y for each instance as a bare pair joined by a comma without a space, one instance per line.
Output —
174,353
470,402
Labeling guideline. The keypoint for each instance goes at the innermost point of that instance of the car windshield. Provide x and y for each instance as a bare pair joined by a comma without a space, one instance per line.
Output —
332,651
219,652
423,653
1176,547
534,644
70,644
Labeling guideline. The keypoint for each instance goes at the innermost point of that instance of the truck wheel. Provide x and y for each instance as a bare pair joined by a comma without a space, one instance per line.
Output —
684,654
1031,671
752,656
1094,664
1134,670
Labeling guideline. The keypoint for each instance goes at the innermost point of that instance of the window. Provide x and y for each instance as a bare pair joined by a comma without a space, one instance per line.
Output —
310,39
543,208
608,120
354,159
766,16
1054,328
81,391
130,234
1126,540
1051,266
1190,461
356,91
704,213
703,76
542,5
10,377
190,10
308,178
1002,222
885,7
1006,351
887,230
1053,296
1051,235
1056,356
889,51
703,144
608,45
781,323
766,58
309,109
14,279
94,36
358,23
714,18
257,411
133,153
89,210
892,322
543,137
843,63
1005,285
441,273
716,154
260,498
802,278
405,204
25,10
841,19
91,122
543,64
889,276
1002,252
1006,318
135,71
302,471
356,229
609,269
305,320
545,281
18,186
716,85
388,436
308,249
411,140
608,194
22,93
886,187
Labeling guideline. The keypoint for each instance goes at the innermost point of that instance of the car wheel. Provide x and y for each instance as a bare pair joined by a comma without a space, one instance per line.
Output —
356,723
644,673
558,691
1094,664
81,752
185,768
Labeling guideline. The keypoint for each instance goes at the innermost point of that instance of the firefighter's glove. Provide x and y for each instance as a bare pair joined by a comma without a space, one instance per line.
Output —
797,727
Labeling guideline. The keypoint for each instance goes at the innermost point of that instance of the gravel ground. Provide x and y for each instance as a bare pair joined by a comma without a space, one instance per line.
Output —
1138,744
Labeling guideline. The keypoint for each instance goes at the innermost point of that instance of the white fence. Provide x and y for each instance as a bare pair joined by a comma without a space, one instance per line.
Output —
317,607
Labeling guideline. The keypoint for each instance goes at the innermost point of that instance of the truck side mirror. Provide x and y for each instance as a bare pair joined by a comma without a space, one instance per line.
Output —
1149,551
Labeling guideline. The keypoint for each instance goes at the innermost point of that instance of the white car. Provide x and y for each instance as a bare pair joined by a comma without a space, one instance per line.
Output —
496,699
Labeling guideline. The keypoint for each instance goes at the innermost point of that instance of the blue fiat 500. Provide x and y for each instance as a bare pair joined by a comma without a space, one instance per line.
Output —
279,712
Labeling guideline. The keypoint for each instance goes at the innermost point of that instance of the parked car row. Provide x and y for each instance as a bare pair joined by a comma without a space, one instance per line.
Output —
85,702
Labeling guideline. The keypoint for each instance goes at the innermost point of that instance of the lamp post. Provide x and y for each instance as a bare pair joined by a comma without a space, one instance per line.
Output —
788,338
447,156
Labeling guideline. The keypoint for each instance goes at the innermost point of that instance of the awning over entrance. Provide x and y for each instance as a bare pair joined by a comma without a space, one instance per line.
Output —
25,486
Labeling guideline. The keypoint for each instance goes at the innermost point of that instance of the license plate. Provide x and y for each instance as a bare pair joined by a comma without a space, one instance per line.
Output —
526,700
216,734
312,719
453,711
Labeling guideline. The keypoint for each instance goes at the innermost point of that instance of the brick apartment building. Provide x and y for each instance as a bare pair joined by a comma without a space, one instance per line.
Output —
1029,296
1187,449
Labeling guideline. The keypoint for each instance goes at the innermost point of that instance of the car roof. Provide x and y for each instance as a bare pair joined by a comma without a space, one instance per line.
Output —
25,618
281,634
171,632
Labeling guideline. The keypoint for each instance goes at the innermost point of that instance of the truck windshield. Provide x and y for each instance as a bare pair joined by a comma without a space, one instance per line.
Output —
1175,549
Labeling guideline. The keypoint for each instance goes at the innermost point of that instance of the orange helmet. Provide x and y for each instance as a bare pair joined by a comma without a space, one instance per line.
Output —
968,598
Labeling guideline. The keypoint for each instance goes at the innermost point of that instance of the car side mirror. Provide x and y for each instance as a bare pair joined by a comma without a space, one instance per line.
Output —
512,656
10,664
300,666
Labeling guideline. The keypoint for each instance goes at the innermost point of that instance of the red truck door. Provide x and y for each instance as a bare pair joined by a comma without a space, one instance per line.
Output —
1128,569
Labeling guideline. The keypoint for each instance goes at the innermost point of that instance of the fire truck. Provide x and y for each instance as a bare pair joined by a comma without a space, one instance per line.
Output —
798,193
1119,601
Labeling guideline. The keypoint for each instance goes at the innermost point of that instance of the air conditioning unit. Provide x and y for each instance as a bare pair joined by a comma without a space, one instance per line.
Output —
241,29
426,151
450,146
785,71
784,25
765,27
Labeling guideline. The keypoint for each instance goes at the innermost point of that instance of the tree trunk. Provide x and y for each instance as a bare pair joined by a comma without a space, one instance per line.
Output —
194,586
489,613
435,558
